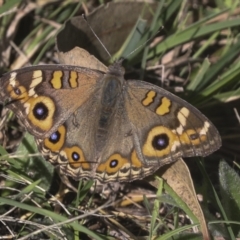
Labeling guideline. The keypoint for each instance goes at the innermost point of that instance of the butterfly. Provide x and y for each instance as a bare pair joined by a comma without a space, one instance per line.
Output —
96,125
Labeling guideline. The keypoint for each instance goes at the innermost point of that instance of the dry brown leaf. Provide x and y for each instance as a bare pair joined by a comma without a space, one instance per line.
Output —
80,57
112,23
178,177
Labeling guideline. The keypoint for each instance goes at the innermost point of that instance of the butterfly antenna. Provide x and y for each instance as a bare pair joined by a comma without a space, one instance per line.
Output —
143,43
99,40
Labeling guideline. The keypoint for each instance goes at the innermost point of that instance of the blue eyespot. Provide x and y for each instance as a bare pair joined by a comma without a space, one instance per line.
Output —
40,111
75,156
17,91
113,163
160,141
54,138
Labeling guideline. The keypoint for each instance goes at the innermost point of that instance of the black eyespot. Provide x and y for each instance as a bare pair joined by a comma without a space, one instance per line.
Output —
54,138
113,163
75,156
17,91
160,141
194,136
40,111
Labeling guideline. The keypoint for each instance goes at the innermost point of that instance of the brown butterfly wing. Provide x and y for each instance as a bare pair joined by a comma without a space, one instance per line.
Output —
43,97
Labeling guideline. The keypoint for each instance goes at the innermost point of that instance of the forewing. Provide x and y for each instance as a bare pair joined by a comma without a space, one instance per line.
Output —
166,126
44,96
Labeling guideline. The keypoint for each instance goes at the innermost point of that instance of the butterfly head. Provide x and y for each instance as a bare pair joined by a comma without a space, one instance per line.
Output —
116,69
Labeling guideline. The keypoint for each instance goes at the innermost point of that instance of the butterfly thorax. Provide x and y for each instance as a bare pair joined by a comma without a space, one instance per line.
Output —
112,88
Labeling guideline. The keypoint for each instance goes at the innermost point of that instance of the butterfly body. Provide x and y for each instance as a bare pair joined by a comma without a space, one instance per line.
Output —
94,124
110,101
